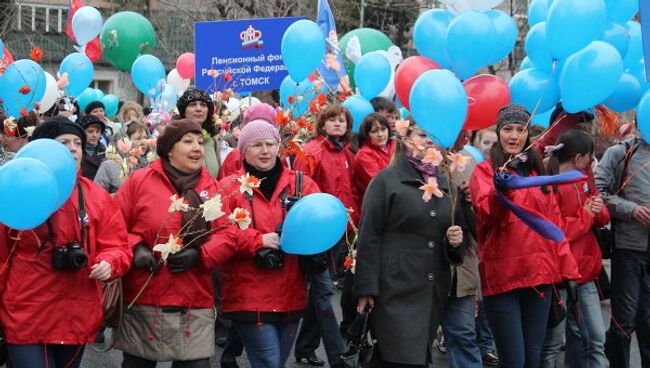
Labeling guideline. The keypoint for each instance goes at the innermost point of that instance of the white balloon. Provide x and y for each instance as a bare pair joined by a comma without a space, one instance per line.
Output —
176,81
249,101
457,6
86,24
233,106
51,94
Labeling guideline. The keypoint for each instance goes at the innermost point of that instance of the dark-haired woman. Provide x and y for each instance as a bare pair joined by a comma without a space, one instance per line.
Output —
517,265
582,210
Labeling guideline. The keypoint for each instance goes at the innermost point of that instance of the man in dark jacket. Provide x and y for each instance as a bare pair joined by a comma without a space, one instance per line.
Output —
95,151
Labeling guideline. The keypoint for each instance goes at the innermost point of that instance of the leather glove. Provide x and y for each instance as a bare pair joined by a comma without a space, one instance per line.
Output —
500,181
143,258
183,260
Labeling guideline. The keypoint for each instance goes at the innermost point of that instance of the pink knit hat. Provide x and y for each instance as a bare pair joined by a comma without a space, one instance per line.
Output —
261,111
255,131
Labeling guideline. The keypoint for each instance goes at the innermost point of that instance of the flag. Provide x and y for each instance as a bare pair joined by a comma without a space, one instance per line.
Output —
331,68
74,6
644,8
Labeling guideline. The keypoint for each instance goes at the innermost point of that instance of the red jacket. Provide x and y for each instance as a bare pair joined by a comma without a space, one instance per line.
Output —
246,287
369,161
231,165
331,169
578,228
511,254
144,200
42,305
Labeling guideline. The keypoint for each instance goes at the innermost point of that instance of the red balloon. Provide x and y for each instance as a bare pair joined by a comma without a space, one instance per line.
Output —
486,94
407,72
185,65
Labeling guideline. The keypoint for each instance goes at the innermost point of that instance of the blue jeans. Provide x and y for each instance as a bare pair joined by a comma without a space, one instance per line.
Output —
460,333
518,320
585,331
267,345
630,297
319,321
39,356
554,338
483,333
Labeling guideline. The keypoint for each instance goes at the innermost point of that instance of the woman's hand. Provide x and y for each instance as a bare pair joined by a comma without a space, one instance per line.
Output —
596,205
271,240
455,236
101,271
365,303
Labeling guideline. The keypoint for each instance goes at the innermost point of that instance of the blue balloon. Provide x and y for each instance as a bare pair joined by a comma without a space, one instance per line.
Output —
627,94
313,225
304,90
244,94
438,103
86,24
536,47
359,107
475,152
590,76
537,12
638,71
28,193
168,98
621,10
506,35
573,24
303,48
111,104
643,117
80,72
58,159
372,74
635,46
470,43
526,64
535,89
87,96
616,35
429,33
148,74
21,73
2,50
543,119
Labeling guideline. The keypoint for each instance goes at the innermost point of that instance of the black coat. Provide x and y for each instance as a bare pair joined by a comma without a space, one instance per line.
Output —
404,260
90,164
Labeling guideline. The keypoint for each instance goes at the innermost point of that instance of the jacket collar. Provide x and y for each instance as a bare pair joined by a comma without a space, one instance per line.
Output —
408,175
283,184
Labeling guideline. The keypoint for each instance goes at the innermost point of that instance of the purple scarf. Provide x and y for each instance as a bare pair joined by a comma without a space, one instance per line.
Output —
426,170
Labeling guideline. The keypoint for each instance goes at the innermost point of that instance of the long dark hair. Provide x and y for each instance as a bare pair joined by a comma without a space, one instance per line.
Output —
573,142
367,124
533,163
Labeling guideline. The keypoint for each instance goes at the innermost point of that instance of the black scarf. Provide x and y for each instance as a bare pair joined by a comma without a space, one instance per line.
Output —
185,184
271,177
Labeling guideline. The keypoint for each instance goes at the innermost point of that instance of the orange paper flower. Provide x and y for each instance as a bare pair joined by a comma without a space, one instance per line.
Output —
36,54
24,90
430,190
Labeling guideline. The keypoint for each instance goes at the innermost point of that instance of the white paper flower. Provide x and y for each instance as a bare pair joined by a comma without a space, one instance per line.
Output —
178,204
240,217
173,245
212,208
248,182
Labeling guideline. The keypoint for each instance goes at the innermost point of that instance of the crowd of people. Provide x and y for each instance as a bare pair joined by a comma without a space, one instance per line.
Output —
187,210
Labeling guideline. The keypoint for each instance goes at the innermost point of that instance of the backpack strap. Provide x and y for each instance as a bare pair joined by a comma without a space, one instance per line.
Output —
630,150
298,189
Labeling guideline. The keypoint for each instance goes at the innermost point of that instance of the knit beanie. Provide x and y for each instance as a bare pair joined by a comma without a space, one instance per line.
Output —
512,114
261,111
257,130
173,133
57,126
93,105
191,95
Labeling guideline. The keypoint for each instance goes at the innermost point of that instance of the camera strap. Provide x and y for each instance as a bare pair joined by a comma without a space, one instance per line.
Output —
298,189
82,216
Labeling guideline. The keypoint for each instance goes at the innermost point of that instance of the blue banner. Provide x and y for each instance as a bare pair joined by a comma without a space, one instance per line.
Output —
243,55
644,9
331,68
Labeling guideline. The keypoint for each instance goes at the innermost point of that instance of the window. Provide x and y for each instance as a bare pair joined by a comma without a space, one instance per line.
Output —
41,18
103,85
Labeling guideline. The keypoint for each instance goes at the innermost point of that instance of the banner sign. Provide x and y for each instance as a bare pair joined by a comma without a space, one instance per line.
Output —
243,55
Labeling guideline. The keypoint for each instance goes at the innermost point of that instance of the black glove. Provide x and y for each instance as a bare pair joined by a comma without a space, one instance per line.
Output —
500,181
143,258
183,260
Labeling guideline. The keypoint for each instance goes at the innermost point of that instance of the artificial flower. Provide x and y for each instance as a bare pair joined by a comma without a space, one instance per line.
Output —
401,127
24,90
178,204
123,145
430,189
457,162
227,76
23,112
213,73
36,54
432,156
30,130
248,182
240,217
212,208
63,81
173,245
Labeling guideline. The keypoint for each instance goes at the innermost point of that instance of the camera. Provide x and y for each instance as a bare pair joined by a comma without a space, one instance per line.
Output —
270,259
69,257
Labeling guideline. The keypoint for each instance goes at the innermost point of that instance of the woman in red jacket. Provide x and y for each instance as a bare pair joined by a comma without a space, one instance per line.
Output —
517,265
582,210
170,290
376,150
50,310
264,298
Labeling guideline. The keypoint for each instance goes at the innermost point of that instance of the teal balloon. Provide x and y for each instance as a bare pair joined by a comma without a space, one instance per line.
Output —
627,94
99,93
111,105
506,35
536,46
535,89
404,112
21,73
80,72
372,74
28,193
616,35
643,116
475,152
526,64
470,43
621,11
302,48
543,119
313,225
58,159
429,33
148,74
438,103
87,96
635,46
537,12
359,108
573,24
590,76
638,71
289,88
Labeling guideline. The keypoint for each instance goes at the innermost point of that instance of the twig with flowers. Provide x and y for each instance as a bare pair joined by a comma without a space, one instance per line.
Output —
128,157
